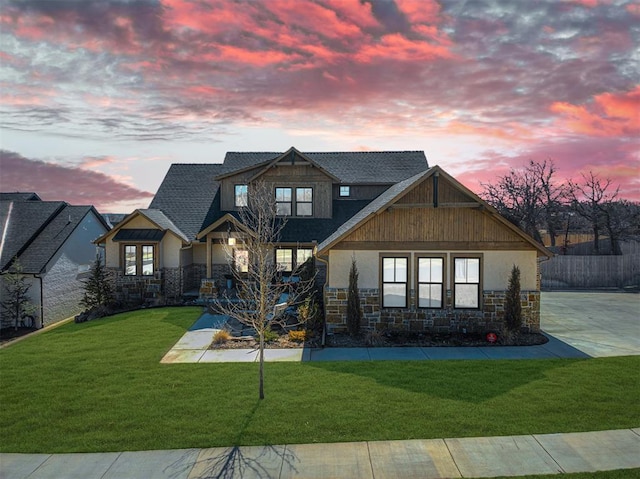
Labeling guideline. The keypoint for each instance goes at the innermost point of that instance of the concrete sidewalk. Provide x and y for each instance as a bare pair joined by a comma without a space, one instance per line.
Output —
416,458
193,348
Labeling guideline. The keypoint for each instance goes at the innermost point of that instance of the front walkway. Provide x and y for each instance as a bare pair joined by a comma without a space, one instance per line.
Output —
193,348
416,458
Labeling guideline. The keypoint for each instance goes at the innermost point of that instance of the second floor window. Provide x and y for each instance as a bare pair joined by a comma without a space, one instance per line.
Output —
241,198
283,201
304,201
345,191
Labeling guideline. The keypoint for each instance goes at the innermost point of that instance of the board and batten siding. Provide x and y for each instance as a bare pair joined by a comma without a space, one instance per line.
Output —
288,176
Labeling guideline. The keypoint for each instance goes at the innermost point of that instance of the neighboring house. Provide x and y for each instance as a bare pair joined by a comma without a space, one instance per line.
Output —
387,209
53,242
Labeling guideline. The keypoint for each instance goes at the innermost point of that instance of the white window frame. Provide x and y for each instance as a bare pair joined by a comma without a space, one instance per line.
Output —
345,191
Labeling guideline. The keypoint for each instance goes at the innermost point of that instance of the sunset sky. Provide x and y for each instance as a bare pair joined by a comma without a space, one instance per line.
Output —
97,99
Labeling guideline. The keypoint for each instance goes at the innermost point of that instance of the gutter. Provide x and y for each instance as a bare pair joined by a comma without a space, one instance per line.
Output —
37,276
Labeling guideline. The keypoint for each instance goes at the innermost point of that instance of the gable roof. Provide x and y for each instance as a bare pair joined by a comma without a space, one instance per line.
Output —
18,196
397,191
187,195
156,217
35,230
353,167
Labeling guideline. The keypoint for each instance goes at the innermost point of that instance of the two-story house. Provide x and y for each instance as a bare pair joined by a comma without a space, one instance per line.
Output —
431,254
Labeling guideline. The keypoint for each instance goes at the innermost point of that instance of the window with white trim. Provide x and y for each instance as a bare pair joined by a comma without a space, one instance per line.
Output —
345,191
394,281
430,281
466,285
283,201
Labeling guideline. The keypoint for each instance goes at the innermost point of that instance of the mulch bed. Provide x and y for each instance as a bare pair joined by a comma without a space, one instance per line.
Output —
398,339
9,334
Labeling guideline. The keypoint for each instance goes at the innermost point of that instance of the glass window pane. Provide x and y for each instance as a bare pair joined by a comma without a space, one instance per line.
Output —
344,191
283,194
388,270
130,268
394,295
401,269
473,270
430,296
284,259
303,209
436,270
466,296
304,194
241,260
147,260
302,255
241,195
283,209
461,270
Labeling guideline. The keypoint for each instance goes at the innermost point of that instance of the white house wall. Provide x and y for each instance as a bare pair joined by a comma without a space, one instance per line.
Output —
63,285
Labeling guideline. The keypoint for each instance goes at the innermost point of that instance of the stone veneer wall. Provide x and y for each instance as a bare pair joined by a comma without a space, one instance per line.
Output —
445,320
192,275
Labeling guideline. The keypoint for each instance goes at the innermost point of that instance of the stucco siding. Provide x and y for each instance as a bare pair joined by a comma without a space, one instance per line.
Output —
170,251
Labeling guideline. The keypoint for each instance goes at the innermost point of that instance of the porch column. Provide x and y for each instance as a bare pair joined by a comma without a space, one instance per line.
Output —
209,256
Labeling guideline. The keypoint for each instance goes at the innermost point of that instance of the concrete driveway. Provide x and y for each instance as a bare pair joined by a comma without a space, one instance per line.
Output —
597,323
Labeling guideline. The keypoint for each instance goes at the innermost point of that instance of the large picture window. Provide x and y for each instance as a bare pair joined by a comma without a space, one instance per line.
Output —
430,282
394,281
241,196
139,259
304,201
466,286
283,201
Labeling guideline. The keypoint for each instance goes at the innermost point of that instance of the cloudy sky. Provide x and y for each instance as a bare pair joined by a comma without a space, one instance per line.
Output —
97,99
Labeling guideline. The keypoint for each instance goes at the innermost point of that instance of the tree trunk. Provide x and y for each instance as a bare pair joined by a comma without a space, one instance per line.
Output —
261,387
596,240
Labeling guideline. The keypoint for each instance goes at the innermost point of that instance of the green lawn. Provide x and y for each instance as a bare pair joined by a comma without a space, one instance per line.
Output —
617,474
99,386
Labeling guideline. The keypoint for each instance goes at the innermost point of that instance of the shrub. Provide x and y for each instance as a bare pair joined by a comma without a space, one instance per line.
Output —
221,337
269,336
512,305
354,313
298,336
373,338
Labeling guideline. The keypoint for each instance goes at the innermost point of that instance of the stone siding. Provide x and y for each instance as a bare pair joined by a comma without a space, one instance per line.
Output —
446,320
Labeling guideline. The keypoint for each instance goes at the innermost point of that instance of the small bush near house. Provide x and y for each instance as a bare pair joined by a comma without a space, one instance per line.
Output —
270,335
298,336
221,337
512,305
354,313
374,338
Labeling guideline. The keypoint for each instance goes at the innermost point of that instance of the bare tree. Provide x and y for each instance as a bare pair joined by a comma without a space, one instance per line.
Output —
264,294
528,197
589,199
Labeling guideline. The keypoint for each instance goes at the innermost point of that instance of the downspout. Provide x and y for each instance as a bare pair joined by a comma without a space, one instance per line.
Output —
324,316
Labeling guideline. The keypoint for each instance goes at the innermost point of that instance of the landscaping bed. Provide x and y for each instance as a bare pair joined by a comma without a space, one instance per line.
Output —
389,339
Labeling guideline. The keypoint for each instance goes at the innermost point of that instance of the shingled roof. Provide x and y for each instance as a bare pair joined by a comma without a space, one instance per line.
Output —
35,230
186,195
351,167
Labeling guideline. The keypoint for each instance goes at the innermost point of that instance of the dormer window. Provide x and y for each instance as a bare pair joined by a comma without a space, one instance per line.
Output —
240,195
345,191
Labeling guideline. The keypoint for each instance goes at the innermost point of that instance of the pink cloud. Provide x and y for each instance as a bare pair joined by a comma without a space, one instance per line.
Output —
74,185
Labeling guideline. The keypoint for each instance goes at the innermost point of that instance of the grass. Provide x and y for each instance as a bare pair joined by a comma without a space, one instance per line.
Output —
99,386
615,474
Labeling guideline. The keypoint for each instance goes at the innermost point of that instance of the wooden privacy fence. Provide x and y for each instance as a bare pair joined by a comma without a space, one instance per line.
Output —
591,272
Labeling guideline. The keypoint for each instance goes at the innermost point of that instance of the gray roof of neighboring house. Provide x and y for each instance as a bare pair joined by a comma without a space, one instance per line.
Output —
19,196
186,196
351,167
35,230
